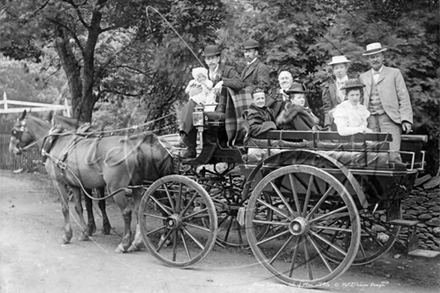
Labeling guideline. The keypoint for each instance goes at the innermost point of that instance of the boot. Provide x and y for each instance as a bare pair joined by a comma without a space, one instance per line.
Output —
191,145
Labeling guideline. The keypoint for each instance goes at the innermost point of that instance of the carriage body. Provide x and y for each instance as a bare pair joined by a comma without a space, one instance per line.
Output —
315,203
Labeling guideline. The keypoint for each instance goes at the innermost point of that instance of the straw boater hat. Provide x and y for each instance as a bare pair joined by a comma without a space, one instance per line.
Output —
374,48
199,70
296,88
250,44
339,59
353,84
211,50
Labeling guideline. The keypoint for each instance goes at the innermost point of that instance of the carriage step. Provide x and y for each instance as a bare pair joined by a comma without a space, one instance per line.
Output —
406,223
424,253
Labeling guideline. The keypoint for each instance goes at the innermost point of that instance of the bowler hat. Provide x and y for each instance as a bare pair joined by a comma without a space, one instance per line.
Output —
373,48
250,44
296,88
339,60
352,84
211,50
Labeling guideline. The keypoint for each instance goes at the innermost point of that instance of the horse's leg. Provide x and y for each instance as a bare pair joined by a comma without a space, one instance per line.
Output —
137,242
79,210
63,193
106,227
124,205
91,226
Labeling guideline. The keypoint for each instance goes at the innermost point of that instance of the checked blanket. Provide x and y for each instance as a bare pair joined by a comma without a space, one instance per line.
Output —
236,104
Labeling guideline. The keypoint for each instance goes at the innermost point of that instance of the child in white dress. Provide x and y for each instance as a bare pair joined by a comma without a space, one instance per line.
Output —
350,115
200,89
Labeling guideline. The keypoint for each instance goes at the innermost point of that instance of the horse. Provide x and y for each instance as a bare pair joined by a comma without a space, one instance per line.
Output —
80,162
69,123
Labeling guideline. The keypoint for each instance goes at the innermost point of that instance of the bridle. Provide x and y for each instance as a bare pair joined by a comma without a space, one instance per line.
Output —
17,133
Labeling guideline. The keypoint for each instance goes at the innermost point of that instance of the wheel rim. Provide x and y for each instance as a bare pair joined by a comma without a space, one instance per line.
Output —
306,201
178,221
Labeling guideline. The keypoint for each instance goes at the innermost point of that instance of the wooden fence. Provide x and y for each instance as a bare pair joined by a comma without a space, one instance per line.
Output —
29,161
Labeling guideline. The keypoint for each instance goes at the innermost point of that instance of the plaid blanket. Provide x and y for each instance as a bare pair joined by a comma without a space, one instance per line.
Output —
236,104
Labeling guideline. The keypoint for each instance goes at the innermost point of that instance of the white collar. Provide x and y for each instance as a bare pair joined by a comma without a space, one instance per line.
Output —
344,79
380,70
252,61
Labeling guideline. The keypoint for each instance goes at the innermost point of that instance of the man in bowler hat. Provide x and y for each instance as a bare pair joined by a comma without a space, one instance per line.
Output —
256,73
222,77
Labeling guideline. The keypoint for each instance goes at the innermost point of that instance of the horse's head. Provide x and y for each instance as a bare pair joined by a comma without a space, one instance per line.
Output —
20,135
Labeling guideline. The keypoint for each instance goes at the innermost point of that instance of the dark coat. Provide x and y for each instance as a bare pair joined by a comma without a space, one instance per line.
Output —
230,77
260,121
256,75
276,103
329,100
295,117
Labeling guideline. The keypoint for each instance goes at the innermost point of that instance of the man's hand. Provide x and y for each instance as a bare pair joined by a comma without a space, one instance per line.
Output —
406,127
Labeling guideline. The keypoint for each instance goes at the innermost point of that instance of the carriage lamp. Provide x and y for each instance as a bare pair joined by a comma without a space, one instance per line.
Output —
198,116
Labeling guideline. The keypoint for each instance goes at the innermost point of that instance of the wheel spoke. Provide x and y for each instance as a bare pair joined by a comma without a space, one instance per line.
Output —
294,254
198,227
165,208
188,253
308,263
195,214
315,246
318,204
163,240
283,199
281,249
308,193
331,228
330,214
185,209
169,196
329,243
174,244
295,194
274,223
273,237
154,216
276,210
193,238
156,230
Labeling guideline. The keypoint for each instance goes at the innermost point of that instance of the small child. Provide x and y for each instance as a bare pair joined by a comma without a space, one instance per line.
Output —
296,114
199,89
258,116
350,115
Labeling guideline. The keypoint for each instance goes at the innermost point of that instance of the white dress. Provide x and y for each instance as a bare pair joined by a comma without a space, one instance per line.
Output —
351,119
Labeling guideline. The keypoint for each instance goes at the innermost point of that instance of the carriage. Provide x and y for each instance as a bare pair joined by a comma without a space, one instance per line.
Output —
309,204
312,205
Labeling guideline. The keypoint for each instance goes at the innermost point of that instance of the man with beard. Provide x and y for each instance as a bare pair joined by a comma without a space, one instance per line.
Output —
386,97
277,100
256,73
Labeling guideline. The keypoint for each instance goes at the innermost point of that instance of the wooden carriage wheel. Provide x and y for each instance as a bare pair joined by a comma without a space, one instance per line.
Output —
178,221
308,205
226,192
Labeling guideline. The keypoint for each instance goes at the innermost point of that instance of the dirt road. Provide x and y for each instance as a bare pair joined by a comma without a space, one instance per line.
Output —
31,260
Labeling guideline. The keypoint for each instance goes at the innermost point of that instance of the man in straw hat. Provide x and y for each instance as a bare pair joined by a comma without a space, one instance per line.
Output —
256,73
386,97
332,95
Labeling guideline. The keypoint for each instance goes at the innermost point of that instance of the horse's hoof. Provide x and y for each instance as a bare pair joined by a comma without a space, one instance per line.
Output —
134,247
120,249
64,240
106,230
91,230
83,237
